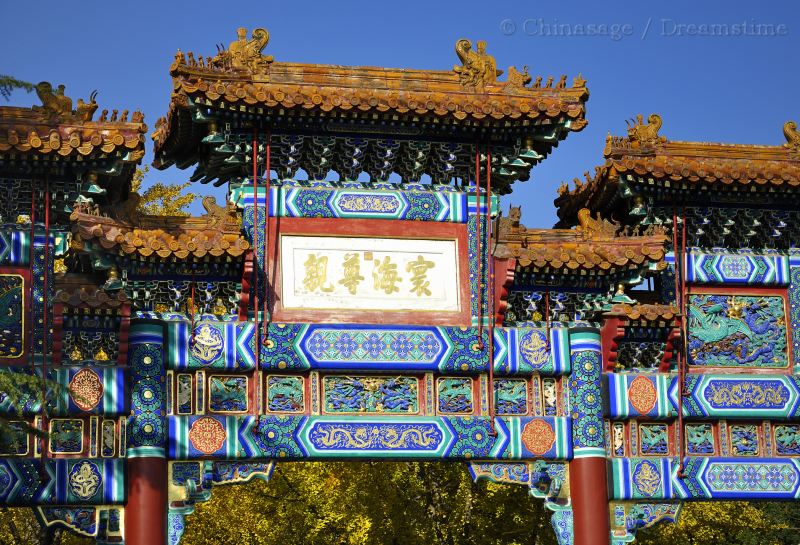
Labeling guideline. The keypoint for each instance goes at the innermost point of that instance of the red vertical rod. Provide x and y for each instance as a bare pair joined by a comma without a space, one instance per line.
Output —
490,274
45,324
30,329
684,328
254,289
267,170
678,253
478,243
547,317
193,311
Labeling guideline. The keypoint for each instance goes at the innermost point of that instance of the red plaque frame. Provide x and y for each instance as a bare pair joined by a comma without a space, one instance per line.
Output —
368,228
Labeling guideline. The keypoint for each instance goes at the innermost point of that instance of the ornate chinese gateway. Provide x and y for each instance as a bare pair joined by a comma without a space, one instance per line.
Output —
359,295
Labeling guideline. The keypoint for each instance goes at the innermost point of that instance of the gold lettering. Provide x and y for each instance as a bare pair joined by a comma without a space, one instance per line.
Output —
352,269
317,274
385,276
419,276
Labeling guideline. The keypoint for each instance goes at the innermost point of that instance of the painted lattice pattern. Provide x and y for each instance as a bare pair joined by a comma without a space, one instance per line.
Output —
586,401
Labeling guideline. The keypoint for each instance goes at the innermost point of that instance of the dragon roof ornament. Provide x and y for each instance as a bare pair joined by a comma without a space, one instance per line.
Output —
57,129
216,233
645,154
595,245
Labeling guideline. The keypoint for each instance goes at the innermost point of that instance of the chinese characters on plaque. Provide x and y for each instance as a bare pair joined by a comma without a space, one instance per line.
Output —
369,273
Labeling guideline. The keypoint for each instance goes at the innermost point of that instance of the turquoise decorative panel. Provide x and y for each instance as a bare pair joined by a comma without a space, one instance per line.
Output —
321,199
334,346
510,396
741,396
370,348
15,247
708,396
413,348
706,478
787,439
743,268
730,478
370,395
94,390
730,330
146,427
228,394
66,436
653,439
744,440
700,439
12,322
62,482
585,387
527,350
88,390
215,345
454,395
794,315
642,478
285,394
561,521
321,437
632,395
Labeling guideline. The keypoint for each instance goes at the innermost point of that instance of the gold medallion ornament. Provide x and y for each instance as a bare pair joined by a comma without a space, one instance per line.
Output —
642,394
86,389
533,347
206,344
84,480
646,478
207,435
538,436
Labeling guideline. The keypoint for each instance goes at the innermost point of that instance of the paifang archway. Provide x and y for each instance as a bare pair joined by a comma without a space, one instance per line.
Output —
319,320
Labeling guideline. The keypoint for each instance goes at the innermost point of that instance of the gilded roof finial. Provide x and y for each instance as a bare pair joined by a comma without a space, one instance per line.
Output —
645,134
517,80
244,54
56,104
478,68
792,136
595,228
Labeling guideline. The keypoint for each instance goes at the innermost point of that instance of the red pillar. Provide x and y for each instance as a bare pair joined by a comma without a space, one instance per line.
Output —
146,511
589,492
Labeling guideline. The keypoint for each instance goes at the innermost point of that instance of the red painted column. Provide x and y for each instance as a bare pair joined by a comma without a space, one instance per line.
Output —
589,492
588,488
146,511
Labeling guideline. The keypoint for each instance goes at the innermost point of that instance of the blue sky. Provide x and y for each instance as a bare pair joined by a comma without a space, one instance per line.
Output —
647,58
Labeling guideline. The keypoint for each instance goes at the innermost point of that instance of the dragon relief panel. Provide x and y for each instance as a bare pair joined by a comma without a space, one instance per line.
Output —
454,395
285,394
787,440
511,396
370,394
227,393
737,331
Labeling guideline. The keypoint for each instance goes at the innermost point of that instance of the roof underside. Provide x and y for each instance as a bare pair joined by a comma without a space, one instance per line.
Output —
645,163
354,120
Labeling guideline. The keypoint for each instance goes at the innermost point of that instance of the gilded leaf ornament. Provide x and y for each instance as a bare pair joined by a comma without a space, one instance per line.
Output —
792,135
